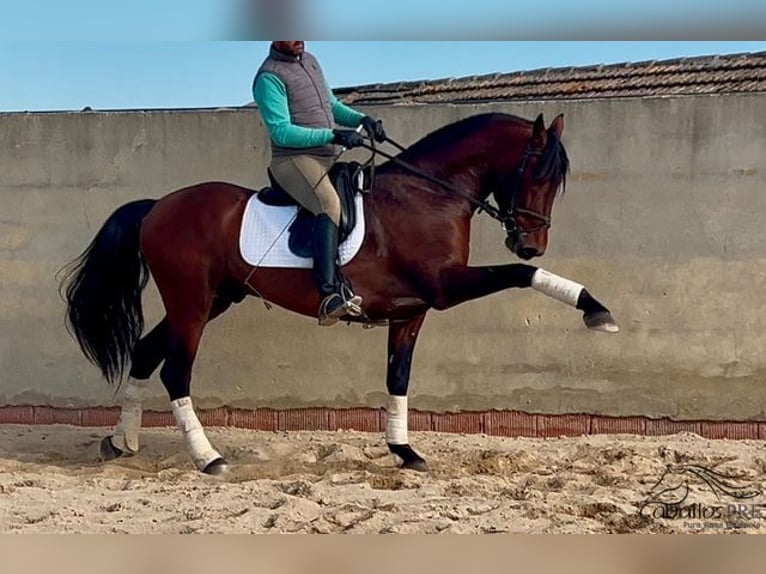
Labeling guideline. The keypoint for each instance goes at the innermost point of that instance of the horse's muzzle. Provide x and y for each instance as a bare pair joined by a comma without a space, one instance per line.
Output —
525,252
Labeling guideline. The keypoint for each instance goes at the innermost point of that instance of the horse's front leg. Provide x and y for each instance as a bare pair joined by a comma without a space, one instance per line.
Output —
401,345
461,284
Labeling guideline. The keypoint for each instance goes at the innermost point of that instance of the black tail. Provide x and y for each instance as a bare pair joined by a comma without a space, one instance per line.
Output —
103,291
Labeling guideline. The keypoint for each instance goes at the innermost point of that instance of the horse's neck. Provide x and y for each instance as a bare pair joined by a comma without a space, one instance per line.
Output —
462,164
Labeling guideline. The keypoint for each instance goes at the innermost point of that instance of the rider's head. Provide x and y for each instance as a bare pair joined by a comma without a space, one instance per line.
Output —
292,48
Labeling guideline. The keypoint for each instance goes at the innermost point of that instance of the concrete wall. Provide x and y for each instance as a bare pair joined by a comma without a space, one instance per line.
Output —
663,221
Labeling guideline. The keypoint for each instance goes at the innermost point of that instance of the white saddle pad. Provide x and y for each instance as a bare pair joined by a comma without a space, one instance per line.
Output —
263,236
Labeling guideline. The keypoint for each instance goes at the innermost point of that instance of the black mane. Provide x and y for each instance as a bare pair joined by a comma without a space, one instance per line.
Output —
456,131
554,160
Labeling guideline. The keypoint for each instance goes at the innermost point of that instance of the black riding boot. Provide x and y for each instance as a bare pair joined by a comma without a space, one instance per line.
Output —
333,304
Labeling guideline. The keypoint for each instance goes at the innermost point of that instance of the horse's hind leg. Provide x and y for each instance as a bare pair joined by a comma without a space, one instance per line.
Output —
401,345
190,306
148,354
176,376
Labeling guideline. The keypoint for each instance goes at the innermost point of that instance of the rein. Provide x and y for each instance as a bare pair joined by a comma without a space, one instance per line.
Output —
506,218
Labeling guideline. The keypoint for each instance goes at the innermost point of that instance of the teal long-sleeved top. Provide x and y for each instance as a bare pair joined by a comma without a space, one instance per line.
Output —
270,94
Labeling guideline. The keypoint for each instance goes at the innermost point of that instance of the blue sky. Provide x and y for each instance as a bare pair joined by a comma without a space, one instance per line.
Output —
68,54
37,76
144,20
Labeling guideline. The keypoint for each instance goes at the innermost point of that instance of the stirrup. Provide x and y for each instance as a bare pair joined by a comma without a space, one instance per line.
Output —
333,307
353,302
354,306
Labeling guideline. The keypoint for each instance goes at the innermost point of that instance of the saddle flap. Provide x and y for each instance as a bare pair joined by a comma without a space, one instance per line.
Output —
301,234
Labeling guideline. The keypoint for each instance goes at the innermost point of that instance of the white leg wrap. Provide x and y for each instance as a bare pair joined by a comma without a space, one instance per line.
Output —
125,435
396,420
559,288
199,447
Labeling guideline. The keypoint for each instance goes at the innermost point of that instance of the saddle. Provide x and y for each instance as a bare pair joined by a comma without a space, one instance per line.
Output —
348,179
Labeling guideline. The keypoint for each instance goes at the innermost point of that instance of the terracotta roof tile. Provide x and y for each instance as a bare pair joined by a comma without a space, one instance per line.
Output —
722,74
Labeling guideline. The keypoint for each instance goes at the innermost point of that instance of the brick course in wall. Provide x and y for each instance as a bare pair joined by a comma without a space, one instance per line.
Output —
496,423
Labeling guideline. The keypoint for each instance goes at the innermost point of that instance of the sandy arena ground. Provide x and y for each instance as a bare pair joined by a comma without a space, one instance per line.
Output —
331,482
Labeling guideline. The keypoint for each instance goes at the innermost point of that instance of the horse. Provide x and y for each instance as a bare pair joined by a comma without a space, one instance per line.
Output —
413,258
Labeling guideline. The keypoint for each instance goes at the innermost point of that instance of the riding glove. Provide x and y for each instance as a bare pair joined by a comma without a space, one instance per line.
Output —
347,138
374,128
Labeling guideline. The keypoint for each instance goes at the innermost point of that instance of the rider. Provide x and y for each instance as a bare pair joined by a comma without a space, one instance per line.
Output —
300,112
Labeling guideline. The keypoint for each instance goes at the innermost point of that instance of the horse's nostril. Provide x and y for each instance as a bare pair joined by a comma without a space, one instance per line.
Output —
527,252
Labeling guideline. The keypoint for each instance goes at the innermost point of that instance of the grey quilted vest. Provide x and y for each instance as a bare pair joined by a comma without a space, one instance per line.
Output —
307,96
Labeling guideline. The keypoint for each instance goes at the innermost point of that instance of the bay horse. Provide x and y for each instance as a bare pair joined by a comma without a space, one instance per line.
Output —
414,258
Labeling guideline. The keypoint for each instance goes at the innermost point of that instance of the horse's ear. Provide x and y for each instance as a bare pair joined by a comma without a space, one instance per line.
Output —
557,125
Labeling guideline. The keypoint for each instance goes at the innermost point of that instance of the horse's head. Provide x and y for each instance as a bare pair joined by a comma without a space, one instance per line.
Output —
525,194
671,488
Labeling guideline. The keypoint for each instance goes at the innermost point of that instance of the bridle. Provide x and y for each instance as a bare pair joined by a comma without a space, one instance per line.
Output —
509,224
506,217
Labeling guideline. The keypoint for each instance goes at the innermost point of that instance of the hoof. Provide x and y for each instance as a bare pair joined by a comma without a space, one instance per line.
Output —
216,468
410,459
107,451
418,465
601,321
